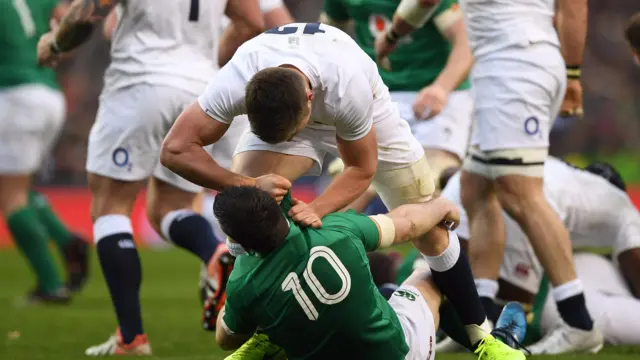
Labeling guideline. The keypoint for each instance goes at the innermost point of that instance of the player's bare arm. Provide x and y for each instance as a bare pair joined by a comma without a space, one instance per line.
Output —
571,22
410,15
110,23
225,339
433,98
246,22
74,29
360,159
411,221
277,17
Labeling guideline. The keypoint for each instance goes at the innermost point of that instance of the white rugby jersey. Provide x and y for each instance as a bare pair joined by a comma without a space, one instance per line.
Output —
496,24
165,42
349,93
596,214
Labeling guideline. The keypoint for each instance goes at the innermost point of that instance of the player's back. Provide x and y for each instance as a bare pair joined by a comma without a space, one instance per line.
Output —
22,22
329,56
314,296
496,24
170,42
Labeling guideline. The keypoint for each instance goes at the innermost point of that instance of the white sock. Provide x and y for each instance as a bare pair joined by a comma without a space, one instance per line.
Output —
449,256
109,225
567,290
487,288
170,217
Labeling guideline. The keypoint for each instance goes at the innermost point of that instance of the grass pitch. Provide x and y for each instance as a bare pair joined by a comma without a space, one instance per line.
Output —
171,313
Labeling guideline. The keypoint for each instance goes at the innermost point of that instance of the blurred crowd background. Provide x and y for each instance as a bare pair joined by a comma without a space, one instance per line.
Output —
609,131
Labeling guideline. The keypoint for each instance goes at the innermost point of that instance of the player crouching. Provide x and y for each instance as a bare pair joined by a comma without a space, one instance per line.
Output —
316,283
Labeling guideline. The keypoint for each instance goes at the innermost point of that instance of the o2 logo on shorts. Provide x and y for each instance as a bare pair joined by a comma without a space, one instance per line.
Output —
532,126
120,157
405,294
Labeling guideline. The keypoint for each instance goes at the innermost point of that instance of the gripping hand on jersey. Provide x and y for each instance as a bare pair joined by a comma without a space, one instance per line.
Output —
430,102
304,214
275,185
572,104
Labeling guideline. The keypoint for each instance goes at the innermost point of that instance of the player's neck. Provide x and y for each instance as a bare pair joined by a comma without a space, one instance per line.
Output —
306,79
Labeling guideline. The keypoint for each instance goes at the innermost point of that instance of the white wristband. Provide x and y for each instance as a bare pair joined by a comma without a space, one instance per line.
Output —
387,230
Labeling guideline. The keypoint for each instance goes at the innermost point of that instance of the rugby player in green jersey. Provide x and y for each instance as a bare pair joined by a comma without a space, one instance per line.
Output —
311,291
33,111
426,74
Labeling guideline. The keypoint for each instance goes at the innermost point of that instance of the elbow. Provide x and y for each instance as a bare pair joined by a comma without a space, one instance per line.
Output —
225,346
170,151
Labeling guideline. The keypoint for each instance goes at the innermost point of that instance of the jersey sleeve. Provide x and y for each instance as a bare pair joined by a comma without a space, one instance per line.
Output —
628,230
354,117
336,10
223,98
234,321
361,226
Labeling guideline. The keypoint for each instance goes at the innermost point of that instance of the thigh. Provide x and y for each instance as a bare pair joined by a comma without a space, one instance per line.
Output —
411,184
32,116
450,129
417,322
291,159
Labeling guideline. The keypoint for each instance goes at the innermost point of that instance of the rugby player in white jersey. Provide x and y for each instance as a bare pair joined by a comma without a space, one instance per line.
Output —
161,55
308,89
593,205
519,78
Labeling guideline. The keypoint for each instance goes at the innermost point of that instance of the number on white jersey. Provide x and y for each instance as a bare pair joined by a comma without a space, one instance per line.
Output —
309,29
292,282
26,19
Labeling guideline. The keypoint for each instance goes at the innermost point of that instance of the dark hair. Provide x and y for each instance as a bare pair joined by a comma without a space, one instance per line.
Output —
632,32
251,217
276,101
608,172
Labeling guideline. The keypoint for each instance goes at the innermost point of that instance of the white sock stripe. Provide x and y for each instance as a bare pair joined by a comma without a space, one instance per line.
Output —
487,288
111,224
567,290
449,256
170,217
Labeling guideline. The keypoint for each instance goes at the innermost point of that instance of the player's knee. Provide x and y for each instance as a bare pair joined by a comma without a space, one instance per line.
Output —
475,190
520,197
12,201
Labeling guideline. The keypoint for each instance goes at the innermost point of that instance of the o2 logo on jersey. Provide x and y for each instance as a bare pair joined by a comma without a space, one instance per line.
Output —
379,24
120,157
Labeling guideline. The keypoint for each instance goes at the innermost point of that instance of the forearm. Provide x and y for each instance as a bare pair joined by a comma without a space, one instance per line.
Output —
343,190
234,35
193,163
78,23
458,65
572,21
414,220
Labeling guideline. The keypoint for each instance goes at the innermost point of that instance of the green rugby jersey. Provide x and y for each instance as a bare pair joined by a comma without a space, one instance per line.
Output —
22,22
418,59
314,296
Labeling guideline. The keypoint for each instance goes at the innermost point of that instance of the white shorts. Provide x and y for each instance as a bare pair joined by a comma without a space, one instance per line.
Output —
31,119
615,311
447,131
416,321
132,122
518,94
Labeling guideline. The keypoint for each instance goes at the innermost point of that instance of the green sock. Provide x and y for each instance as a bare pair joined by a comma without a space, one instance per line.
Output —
54,227
31,239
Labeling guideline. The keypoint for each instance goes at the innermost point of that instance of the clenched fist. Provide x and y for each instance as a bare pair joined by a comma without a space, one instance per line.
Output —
275,185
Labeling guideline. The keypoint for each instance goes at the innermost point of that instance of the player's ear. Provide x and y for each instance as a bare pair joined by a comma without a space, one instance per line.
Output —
310,95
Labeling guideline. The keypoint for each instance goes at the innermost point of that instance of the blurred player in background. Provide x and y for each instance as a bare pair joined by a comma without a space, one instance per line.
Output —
308,90
311,289
426,74
161,57
632,34
33,112
598,213
519,79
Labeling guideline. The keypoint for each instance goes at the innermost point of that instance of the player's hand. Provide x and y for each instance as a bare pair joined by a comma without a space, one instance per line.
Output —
430,102
304,214
572,104
452,218
276,185
383,48
46,57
